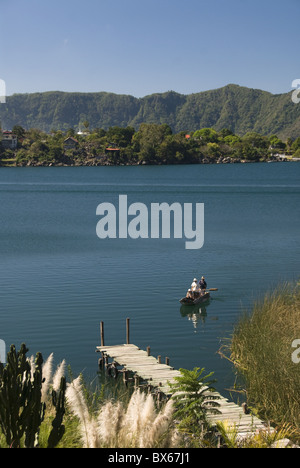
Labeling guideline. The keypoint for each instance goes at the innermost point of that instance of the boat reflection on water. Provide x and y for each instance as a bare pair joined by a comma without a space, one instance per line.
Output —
196,314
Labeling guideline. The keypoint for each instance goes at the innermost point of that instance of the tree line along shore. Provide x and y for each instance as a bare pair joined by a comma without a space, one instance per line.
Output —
151,144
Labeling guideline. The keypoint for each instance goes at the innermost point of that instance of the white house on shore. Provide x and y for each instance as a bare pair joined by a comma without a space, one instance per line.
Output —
9,140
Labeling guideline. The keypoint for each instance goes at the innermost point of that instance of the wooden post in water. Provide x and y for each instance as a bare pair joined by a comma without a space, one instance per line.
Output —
101,362
127,331
102,333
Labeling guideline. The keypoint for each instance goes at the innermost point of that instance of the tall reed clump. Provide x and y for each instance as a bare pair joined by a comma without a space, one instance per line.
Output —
261,349
139,425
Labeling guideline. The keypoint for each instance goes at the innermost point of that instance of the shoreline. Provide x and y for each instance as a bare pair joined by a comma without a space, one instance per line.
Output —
99,163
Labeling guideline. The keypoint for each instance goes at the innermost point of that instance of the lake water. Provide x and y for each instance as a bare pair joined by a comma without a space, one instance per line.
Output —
59,280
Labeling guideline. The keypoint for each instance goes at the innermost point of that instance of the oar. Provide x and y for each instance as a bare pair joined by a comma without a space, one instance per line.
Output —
212,289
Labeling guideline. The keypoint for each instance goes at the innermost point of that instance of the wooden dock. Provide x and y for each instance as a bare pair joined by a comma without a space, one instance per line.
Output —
147,369
150,372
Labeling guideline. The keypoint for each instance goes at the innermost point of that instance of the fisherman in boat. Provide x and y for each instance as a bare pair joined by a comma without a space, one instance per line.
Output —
202,285
197,293
193,289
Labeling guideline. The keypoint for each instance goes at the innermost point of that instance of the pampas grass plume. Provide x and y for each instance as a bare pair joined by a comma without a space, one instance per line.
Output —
110,422
60,372
76,400
47,376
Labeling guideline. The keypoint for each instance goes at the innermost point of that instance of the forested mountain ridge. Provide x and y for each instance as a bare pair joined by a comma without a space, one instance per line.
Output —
234,107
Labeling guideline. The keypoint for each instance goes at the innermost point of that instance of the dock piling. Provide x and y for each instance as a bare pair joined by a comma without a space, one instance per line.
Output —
127,331
102,333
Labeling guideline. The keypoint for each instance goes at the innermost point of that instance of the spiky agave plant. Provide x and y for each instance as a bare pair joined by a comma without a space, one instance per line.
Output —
267,438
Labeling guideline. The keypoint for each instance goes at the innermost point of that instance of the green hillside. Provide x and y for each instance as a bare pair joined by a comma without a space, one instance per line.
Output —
234,107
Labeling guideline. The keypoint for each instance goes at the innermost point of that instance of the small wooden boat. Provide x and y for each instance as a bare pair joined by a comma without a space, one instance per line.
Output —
198,298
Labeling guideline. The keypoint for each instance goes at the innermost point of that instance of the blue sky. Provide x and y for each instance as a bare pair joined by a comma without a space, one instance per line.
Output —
141,47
